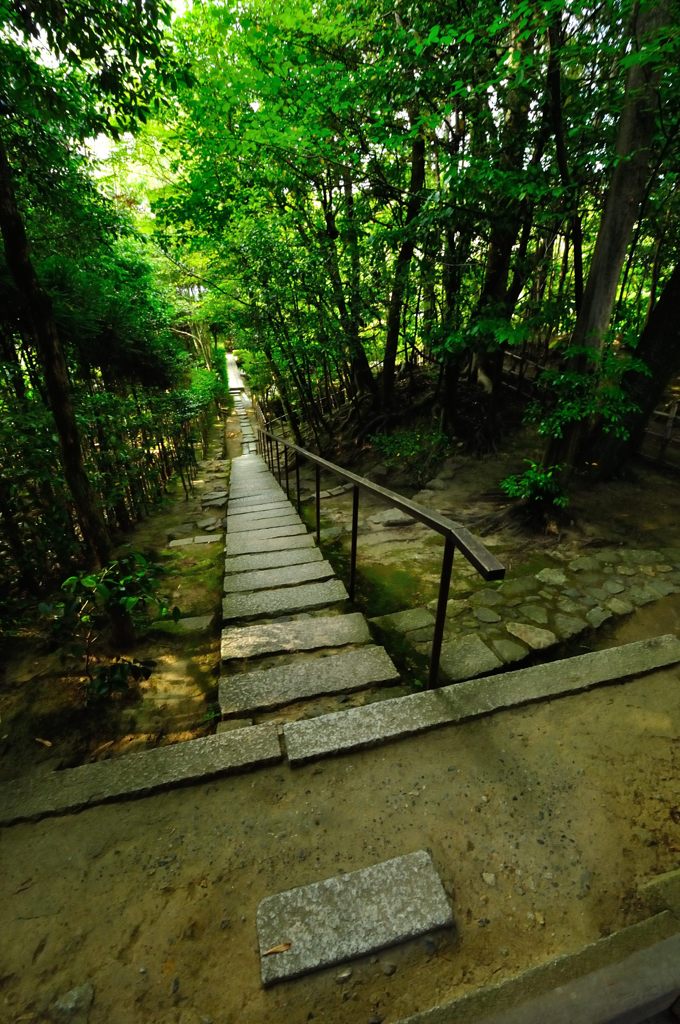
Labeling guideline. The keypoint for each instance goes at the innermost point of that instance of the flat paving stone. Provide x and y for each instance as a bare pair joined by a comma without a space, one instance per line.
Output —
204,538
244,544
417,712
294,635
265,603
405,622
269,579
244,524
533,636
350,915
465,657
135,774
285,684
266,506
271,560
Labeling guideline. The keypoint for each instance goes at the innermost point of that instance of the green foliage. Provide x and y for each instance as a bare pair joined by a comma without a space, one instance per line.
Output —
588,384
538,486
419,451
118,677
129,583
119,594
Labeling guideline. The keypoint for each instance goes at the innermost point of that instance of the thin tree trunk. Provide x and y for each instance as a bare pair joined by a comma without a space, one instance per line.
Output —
38,309
401,269
626,191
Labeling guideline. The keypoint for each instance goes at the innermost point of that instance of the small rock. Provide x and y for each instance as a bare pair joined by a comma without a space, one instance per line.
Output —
375,1018
533,636
74,1006
389,969
343,976
555,577
487,615
489,878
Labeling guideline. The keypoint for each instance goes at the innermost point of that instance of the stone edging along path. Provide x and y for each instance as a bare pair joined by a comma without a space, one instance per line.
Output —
493,625
255,746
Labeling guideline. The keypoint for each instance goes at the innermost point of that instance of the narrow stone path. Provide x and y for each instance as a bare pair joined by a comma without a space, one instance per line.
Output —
289,637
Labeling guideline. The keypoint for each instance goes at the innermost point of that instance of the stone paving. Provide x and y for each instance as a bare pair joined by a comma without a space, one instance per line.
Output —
492,625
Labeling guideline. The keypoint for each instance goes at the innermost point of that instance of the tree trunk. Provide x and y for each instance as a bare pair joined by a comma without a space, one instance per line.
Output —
38,310
401,269
626,191
659,348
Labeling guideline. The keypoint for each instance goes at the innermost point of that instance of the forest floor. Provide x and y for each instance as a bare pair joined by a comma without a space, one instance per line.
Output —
541,821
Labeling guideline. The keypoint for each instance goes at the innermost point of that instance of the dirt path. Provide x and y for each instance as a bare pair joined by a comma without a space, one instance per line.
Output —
541,822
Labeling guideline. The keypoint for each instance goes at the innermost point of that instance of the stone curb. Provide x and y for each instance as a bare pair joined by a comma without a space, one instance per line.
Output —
138,774
621,979
417,712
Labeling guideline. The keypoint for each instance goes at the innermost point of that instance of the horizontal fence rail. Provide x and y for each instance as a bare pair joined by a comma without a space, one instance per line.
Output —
456,537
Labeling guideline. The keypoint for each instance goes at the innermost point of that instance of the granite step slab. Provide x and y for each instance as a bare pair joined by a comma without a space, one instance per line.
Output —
271,560
270,579
267,510
265,603
281,540
244,524
242,502
350,915
313,677
458,702
306,634
238,507
282,508
139,773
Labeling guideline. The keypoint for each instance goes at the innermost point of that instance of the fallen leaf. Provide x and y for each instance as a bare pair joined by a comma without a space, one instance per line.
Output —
43,743
281,948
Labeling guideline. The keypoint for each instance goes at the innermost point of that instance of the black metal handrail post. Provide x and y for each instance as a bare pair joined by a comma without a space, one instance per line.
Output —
317,489
456,537
353,551
298,502
440,617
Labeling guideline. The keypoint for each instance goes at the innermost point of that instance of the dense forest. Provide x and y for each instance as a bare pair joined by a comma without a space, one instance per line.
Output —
381,207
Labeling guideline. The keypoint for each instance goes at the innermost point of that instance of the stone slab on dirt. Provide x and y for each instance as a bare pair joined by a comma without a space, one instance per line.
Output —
190,625
271,540
244,524
277,576
297,635
350,915
139,773
206,538
266,603
404,716
284,684
405,622
271,560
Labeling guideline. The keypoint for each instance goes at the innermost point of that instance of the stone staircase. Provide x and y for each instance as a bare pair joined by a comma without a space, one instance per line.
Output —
291,645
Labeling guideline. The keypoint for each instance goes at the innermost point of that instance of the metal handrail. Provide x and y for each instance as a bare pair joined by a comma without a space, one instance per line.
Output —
455,535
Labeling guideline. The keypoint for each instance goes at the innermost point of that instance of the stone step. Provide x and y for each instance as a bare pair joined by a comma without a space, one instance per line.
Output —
311,677
285,576
351,915
244,524
266,603
261,506
271,560
417,712
276,540
305,634
256,512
